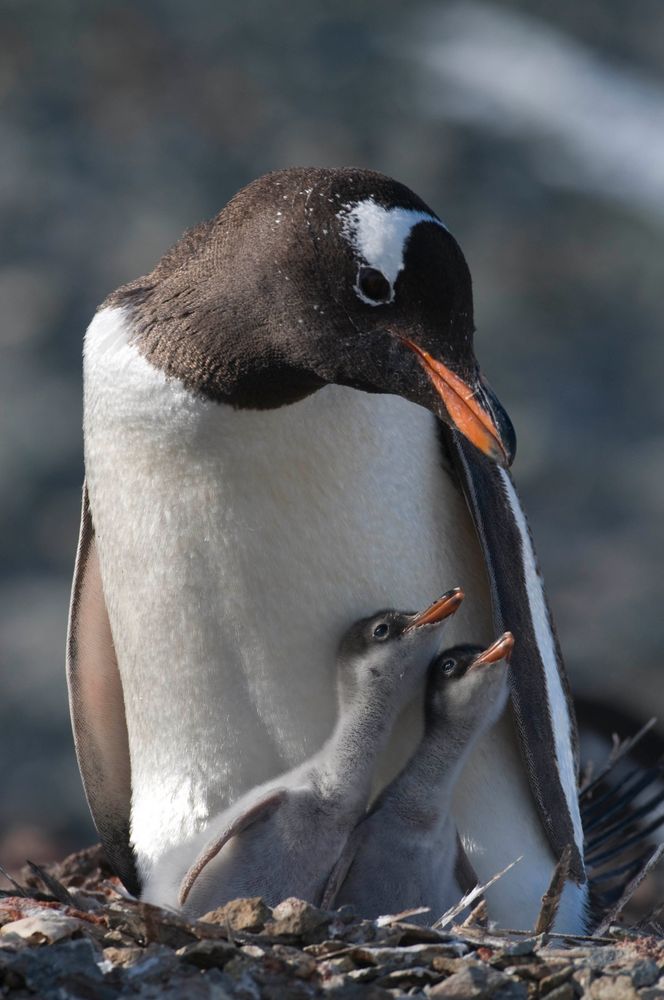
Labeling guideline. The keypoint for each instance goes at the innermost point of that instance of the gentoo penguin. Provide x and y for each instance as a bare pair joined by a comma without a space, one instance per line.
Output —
404,854
286,427
283,838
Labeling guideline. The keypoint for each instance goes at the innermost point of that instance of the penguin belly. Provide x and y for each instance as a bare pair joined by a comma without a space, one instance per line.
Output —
235,547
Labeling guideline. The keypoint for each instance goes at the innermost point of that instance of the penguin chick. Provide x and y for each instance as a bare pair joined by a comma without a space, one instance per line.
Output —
283,838
405,853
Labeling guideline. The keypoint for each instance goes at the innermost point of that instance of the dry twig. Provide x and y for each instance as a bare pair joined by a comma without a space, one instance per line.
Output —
551,898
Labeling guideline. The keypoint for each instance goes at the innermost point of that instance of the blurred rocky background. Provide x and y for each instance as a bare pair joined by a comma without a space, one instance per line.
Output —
535,130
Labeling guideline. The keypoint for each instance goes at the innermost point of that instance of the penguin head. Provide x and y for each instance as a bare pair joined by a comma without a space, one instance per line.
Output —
392,649
311,277
467,687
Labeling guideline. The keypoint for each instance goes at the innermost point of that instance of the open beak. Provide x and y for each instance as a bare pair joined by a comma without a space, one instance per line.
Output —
501,649
438,611
475,411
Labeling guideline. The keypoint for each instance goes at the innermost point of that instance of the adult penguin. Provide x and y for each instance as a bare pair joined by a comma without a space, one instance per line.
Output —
286,427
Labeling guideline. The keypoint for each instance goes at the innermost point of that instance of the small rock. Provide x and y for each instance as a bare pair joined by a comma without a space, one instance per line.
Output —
512,990
613,988
342,989
333,983
418,954
582,978
549,975
599,958
299,964
155,962
555,979
207,954
248,915
122,957
442,963
644,973
159,926
17,907
321,949
46,928
346,914
651,993
335,966
567,954
563,992
189,983
406,979
475,981
68,968
295,918
525,947
252,950
363,975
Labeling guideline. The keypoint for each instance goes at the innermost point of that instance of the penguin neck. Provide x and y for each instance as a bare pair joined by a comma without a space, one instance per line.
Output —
345,764
422,793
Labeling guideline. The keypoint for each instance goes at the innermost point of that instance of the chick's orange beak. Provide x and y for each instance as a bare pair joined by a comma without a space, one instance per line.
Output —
439,610
501,649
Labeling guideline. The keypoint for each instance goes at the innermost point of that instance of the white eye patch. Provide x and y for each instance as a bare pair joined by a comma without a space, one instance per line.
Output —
379,235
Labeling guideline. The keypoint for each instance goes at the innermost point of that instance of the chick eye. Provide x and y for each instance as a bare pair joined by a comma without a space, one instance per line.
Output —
447,666
373,285
380,631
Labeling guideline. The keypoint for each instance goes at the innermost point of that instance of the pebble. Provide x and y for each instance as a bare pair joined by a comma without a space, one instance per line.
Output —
613,988
475,981
295,918
645,972
249,915
45,928
247,950
55,971
207,954
563,992
525,947
554,980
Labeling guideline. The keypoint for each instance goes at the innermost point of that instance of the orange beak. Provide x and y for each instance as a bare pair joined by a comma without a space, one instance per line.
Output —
501,649
439,610
460,401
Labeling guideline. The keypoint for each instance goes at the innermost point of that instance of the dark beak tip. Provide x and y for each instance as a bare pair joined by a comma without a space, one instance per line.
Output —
504,426
486,424
508,437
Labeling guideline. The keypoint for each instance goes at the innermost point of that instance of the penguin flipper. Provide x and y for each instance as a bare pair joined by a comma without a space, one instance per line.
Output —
97,710
539,689
259,810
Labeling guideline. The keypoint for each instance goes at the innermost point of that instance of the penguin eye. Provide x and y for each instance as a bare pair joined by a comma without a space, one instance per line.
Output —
380,631
448,666
373,285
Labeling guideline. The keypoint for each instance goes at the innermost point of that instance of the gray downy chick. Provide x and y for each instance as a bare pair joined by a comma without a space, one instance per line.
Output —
283,838
406,853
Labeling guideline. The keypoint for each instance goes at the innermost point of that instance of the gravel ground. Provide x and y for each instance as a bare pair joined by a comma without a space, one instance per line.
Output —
71,933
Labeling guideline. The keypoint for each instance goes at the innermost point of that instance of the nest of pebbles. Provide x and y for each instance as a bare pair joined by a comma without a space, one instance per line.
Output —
70,931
